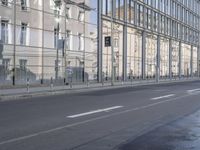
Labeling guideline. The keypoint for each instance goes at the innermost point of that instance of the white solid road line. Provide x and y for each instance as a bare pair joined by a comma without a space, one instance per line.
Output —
161,97
94,112
88,121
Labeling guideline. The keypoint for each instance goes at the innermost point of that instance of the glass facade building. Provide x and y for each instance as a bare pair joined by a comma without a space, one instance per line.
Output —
64,40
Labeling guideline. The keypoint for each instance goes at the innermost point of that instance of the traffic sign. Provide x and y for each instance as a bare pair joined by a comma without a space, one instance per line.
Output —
107,41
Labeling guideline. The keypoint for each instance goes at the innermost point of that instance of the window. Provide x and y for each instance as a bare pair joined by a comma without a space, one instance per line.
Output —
68,13
57,14
55,4
107,7
116,42
68,39
4,31
22,64
131,11
58,65
81,16
80,41
6,63
51,3
56,36
120,9
23,35
4,2
24,4
140,17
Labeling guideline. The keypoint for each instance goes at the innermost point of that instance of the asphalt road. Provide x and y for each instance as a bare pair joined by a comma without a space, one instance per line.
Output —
181,134
98,120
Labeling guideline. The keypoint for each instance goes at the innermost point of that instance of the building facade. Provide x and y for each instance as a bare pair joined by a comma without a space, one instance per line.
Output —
65,40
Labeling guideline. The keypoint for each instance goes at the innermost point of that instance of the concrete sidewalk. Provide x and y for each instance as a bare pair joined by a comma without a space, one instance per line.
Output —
27,92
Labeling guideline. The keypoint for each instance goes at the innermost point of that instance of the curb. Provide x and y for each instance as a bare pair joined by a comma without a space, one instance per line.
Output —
24,95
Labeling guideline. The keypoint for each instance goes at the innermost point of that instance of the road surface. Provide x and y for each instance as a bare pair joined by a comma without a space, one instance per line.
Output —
96,120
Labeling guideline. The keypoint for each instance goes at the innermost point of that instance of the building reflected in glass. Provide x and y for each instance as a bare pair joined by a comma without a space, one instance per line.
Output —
65,40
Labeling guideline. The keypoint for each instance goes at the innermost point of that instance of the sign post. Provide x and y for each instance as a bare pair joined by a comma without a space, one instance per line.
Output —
109,43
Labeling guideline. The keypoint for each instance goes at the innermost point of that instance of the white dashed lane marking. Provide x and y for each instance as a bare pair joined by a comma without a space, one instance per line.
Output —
94,112
161,97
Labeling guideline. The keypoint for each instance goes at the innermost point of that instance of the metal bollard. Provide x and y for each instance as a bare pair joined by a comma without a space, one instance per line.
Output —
103,78
64,81
51,84
27,85
71,83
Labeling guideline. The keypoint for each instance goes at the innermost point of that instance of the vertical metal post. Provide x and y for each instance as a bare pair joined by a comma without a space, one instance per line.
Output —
191,62
56,76
158,59
27,85
198,60
170,59
180,59
143,55
63,57
112,57
14,48
42,80
125,43
135,13
84,80
65,51
71,82
112,44
51,83
103,77
100,49
57,50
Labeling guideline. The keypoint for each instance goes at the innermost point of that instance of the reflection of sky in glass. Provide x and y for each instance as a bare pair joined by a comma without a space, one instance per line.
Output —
121,3
90,16
91,3
93,13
